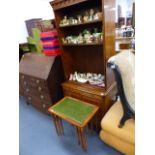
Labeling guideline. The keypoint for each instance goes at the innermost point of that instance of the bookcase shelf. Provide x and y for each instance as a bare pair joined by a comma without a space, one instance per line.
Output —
81,24
84,44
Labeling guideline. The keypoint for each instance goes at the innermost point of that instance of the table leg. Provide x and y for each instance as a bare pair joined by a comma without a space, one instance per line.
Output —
98,127
78,135
60,126
87,129
91,127
83,141
55,123
96,123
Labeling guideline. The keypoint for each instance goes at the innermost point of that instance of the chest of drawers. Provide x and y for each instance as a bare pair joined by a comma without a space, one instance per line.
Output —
40,79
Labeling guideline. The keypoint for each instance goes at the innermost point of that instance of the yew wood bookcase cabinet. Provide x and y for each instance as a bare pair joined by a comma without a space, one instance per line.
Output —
91,57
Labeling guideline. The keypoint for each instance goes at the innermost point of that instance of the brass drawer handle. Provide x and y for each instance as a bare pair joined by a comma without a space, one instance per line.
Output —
42,96
44,105
37,81
39,88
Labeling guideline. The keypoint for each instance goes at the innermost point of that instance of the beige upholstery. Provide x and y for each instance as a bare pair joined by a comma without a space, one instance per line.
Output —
118,144
122,139
126,63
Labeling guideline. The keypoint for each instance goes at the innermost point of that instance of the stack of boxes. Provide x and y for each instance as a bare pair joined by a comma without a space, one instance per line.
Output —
50,43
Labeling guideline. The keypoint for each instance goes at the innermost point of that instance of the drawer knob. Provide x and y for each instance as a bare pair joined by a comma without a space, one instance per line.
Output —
44,105
23,76
25,82
37,81
27,90
42,96
29,98
39,88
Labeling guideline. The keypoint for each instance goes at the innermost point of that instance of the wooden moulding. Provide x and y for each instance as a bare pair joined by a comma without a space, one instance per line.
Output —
60,4
100,91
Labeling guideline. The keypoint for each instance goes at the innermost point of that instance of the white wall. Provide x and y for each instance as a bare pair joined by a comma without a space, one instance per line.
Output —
29,9
126,6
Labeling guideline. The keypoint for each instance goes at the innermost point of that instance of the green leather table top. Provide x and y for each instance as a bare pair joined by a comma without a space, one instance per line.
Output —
74,109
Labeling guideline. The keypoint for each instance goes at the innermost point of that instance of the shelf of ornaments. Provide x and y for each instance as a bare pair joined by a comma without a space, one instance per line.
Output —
85,44
90,16
124,38
81,24
91,79
85,38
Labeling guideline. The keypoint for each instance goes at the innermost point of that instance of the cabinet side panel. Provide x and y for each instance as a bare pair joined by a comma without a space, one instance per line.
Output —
108,7
55,79
66,57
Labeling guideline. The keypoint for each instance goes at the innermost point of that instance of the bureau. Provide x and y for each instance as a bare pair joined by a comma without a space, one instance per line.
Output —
40,79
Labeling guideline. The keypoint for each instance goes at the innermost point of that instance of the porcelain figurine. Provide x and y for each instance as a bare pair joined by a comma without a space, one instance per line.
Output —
71,77
79,19
73,20
86,17
81,77
101,36
97,35
69,39
88,38
74,39
74,76
80,39
91,14
64,21
98,16
64,41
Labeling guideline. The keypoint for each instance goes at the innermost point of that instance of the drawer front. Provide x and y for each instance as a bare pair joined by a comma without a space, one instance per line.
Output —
26,80
42,96
40,104
35,82
22,84
35,91
35,87
22,77
28,89
90,98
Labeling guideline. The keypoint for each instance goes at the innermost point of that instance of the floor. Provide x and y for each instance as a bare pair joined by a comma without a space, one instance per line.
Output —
38,136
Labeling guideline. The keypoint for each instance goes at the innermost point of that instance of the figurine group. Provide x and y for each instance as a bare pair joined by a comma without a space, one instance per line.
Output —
125,31
91,78
88,16
85,37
